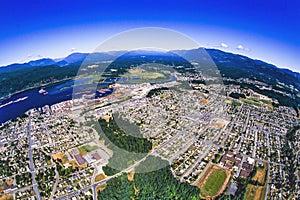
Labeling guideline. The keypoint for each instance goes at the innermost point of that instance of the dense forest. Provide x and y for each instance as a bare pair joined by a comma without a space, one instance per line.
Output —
237,95
156,91
28,77
283,100
127,147
157,184
289,151
123,140
18,77
153,178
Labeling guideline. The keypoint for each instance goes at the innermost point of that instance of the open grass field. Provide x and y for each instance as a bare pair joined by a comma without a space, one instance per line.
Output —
236,103
265,101
139,75
152,75
214,181
144,74
85,149
248,101
253,192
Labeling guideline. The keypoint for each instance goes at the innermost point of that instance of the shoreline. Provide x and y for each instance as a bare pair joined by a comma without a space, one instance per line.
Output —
35,87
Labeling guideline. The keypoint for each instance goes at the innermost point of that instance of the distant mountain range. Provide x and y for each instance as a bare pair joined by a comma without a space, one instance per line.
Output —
219,57
230,65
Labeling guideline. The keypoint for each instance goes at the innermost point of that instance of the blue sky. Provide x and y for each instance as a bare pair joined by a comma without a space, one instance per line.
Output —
266,30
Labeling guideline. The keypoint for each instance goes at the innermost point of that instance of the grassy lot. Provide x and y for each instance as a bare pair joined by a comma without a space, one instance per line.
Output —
83,150
58,155
266,101
100,177
261,173
247,101
90,148
100,188
253,192
213,183
235,103
145,75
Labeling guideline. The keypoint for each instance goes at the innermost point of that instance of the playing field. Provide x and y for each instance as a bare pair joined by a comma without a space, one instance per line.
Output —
214,183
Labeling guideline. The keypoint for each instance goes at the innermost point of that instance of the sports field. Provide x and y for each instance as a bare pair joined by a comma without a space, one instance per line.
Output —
214,183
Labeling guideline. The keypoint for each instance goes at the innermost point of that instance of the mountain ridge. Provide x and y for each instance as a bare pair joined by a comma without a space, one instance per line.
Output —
80,57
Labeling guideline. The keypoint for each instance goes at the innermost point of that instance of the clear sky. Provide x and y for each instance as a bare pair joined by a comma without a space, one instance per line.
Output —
266,30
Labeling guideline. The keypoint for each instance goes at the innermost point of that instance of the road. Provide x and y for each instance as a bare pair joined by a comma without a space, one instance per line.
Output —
93,182
268,181
55,184
190,170
202,173
31,163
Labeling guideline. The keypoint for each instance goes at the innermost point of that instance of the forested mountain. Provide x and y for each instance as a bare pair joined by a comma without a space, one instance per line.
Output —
17,77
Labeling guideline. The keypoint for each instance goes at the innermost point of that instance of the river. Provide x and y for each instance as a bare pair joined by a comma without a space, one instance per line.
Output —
19,103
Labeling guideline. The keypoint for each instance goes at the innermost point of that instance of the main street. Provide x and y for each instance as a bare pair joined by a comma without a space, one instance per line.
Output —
31,163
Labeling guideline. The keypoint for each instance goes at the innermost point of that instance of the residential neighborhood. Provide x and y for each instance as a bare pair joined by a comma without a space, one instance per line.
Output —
55,152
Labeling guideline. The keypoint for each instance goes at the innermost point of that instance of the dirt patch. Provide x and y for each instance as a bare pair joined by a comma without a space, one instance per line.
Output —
9,181
253,192
136,191
100,177
58,155
204,101
100,188
135,71
260,174
130,175
3,149
6,197
219,123
106,118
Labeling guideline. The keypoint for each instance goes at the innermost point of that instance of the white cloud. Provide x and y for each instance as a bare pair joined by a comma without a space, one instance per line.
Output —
242,48
224,45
